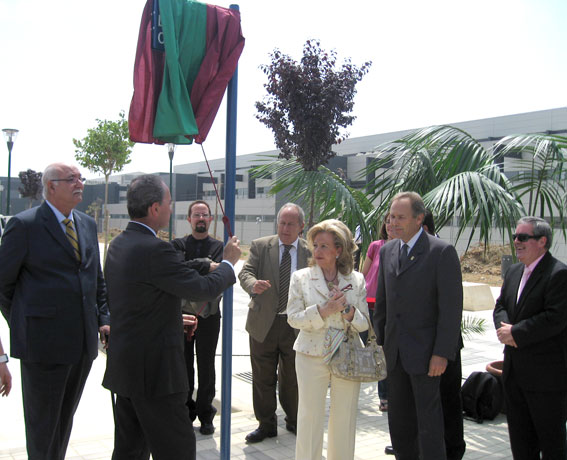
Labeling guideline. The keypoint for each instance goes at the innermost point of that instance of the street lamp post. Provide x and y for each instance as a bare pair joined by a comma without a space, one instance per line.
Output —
10,136
171,151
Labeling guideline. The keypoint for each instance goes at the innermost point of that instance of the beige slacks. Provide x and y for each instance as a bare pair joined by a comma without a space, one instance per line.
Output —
313,379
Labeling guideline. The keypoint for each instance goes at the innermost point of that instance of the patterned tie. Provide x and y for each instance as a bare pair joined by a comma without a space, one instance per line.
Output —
403,256
285,273
72,237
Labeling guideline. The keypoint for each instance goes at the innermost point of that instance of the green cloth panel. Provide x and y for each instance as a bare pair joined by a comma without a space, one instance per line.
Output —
184,25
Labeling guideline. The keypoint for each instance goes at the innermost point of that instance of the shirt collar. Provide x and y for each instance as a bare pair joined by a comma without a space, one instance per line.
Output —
144,225
294,244
531,267
412,241
60,216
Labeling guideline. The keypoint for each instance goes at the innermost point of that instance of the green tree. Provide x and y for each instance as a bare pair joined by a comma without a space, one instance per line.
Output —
105,149
461,180
308,107
31,185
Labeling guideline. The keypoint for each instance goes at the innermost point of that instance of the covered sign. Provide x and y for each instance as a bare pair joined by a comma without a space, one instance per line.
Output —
187,53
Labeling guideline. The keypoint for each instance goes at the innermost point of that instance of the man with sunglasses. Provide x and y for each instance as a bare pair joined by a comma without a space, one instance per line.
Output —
53,296
531,321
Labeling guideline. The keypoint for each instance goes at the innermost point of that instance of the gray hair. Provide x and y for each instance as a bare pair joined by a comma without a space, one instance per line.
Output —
142,193
540,227
417,205
299,211
51,172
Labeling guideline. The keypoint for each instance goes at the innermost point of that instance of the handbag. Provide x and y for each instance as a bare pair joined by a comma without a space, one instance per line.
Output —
356,361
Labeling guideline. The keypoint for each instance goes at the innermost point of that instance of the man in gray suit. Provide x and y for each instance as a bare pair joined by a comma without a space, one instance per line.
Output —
265,276
417,319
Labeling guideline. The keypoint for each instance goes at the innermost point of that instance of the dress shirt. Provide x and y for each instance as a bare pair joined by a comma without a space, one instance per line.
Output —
412,241
528,270
60,217
292,253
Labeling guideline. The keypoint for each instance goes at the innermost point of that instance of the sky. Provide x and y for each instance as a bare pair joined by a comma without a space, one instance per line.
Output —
66,63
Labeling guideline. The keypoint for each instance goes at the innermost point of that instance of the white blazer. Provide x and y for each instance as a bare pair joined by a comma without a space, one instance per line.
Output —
307,289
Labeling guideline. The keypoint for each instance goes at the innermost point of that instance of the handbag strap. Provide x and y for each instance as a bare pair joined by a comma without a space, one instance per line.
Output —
371,332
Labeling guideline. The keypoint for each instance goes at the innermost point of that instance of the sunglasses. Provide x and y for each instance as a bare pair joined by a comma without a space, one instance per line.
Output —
523,237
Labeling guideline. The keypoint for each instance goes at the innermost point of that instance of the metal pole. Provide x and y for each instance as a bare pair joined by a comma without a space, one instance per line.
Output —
10,145
170,151
229,207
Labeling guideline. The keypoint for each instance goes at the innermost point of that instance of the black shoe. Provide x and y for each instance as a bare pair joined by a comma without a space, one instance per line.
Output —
259,434
207,428
291,428
389,450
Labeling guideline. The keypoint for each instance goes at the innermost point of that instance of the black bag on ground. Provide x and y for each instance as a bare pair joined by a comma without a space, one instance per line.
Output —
482,396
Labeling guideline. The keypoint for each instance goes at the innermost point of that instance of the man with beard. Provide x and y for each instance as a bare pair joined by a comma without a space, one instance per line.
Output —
205,253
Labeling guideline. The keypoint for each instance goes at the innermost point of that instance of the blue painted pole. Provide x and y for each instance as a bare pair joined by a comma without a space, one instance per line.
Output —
229,208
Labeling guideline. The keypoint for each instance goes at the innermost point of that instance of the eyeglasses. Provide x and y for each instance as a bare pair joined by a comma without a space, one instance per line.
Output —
199,216
70,180
523,237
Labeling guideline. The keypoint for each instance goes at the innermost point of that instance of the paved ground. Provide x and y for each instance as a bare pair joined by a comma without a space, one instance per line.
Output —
92,436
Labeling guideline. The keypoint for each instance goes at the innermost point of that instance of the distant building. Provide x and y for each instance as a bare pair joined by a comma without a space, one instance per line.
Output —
256,209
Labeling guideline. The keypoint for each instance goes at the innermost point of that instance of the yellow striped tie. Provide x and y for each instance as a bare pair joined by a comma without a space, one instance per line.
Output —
72,237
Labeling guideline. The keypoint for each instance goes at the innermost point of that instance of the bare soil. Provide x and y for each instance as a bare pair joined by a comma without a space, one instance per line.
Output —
480,266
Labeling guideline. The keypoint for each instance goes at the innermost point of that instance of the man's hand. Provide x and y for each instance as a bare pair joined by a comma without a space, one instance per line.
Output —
213,266
437,366
104,333
189,325
261,286
5,380
504,333
232,250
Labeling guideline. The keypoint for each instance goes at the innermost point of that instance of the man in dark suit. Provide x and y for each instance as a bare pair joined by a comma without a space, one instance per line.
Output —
417,319
145,363
53,296
205,253
271,337
531,321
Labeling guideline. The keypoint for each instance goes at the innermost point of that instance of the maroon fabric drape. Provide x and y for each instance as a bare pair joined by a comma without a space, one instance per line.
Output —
148,78
224,47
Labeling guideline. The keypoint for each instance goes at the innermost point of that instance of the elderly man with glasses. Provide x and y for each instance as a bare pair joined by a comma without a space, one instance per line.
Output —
53,296
531,321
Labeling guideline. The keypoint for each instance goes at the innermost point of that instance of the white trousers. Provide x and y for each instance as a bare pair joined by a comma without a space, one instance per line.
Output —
313,379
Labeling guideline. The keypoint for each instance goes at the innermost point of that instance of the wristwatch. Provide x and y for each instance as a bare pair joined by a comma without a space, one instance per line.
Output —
3,358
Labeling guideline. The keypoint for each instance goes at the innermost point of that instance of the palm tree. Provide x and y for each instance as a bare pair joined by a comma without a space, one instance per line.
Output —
456,176
328,193
537,165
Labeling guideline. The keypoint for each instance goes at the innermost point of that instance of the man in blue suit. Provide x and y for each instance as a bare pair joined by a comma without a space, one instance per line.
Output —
53,296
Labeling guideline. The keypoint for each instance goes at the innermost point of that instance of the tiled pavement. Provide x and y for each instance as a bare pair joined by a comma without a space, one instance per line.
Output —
92,436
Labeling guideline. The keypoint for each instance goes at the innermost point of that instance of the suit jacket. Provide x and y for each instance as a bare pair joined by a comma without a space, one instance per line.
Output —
539,320
53,304
147,280
309,288
263,264
418,308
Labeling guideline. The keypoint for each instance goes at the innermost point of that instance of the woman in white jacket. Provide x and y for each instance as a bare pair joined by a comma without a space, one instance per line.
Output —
328,294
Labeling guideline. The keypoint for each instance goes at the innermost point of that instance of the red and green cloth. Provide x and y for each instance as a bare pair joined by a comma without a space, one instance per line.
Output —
177,93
